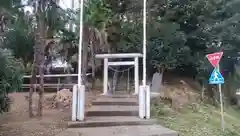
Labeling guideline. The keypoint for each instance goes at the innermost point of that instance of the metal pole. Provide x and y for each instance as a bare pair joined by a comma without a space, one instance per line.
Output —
221,102
144,42
70,21
80,43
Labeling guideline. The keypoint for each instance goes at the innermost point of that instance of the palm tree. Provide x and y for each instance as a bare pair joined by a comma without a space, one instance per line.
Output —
46,14
97,15
96,18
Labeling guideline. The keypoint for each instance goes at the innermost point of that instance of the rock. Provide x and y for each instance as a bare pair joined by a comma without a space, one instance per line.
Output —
156,82
179,95
64,94
63,99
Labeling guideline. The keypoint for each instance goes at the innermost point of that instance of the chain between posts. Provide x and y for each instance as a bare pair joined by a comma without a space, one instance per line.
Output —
121,71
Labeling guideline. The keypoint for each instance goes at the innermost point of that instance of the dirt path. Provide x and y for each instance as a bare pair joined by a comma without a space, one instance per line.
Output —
17,122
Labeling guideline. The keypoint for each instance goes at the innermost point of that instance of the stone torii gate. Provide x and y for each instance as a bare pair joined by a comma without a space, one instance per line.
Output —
108,63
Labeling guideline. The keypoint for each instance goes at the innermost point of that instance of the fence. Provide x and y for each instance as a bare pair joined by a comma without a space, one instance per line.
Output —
57,85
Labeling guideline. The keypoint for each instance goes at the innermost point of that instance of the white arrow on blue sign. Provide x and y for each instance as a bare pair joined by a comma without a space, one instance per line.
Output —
216,77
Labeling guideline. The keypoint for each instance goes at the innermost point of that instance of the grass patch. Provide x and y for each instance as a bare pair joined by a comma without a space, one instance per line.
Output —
203,121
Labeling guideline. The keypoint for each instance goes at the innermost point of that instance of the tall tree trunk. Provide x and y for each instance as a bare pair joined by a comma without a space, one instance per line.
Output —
67,59
93,65
92,43
86,31
32,83
84,64
41,46
40,52
40,65
68,71
41,90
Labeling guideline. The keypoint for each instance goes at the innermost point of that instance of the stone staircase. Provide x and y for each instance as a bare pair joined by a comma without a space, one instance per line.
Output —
116,115
122,85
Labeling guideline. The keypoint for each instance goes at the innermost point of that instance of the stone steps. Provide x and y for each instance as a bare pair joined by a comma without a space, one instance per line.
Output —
130,101
116,115
104,121
114,105
135,130
112,110
119,94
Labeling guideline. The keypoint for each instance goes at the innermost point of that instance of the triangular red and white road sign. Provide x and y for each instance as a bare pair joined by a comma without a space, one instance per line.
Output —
214,58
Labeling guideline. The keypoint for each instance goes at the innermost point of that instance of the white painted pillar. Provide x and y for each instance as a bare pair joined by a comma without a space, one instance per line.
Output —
141,102
147,102
136,75
81,103
144,42
105,75
74,103
80,43
144,102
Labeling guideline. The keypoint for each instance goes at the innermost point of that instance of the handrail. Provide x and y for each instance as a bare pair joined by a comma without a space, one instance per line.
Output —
56,75
57,85
48,85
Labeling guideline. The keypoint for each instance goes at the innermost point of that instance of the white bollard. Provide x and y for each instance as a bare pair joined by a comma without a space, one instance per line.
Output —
147,102
74,103
81,103
141,102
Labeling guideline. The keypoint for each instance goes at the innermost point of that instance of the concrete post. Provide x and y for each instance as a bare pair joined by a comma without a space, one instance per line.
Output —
147,102
141,102
81,103
74,103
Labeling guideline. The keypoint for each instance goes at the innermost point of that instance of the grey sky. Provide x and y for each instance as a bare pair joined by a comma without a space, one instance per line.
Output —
63,3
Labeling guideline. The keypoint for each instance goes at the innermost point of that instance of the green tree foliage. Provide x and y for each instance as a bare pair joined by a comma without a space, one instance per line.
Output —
179,32
11,74
21,42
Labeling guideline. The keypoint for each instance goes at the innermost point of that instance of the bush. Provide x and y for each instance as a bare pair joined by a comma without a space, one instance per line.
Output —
11,75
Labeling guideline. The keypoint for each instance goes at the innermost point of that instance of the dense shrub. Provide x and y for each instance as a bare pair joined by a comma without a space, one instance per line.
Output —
11,74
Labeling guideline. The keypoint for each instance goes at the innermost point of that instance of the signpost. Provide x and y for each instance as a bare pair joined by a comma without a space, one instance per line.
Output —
217,78
214,58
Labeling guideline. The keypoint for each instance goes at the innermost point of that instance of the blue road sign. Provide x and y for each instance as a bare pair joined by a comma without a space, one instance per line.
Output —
216,77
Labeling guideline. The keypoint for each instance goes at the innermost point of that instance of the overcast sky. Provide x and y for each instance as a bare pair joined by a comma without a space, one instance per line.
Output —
63,3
